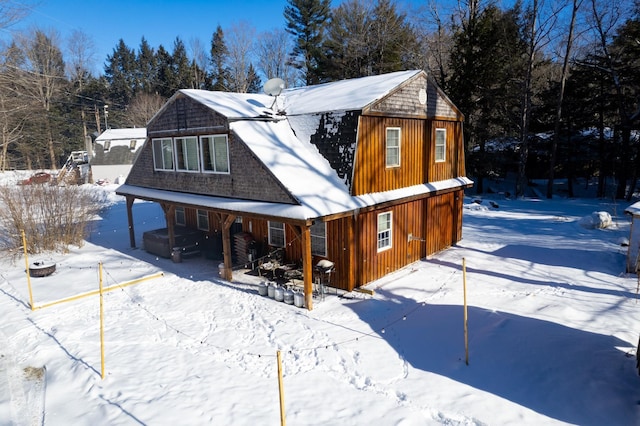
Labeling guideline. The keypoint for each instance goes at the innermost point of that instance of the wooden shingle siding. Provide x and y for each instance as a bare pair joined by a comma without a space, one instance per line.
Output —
249,178
335,138
405,101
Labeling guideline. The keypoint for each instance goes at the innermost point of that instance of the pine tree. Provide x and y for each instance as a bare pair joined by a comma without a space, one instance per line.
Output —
120,72
306,21
219,54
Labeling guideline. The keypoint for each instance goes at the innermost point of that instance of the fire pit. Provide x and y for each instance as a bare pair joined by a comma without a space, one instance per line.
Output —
42,269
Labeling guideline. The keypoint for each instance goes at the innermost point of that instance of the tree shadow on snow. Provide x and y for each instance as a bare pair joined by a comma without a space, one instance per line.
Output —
567,374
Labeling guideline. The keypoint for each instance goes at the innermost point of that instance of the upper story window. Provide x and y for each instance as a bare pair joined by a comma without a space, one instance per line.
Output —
187,154
276,234
215,153
181,218
319,238
162,154
393,146
384,231
441,145
107,146
203,220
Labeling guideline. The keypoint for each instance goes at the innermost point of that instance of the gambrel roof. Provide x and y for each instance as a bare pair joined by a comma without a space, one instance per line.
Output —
273,129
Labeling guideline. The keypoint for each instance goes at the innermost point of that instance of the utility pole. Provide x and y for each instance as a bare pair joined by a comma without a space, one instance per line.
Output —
106,114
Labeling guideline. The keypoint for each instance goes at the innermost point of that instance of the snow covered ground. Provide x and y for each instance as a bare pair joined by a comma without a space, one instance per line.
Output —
553,324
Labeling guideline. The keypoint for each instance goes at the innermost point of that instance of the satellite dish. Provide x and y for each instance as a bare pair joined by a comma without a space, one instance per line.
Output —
274,86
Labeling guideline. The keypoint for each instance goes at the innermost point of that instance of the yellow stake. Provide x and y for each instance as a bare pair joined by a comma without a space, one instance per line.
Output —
26,265
101,325
283,421
466,328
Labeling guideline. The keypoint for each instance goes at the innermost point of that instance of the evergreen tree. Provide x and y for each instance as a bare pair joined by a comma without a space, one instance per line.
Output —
306,22
254,82
120,72
219,55
147,68
165,87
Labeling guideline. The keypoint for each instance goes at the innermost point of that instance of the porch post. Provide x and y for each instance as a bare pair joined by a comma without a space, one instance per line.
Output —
132,234
227,221
169,215
305,233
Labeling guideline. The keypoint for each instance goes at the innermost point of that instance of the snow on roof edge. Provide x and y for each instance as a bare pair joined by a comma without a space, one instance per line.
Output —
287,211
633,209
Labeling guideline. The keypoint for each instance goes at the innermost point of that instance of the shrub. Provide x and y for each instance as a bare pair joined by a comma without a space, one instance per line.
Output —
52,217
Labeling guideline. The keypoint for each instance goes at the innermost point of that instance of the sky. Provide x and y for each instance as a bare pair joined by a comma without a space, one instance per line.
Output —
553,323
160,22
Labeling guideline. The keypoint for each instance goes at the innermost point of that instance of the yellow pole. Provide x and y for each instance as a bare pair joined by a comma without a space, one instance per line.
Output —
101,325
283,421
466,328
26,265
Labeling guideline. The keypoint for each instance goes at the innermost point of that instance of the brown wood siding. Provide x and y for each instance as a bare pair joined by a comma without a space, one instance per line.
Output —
371,173
454,157
408,218
444,221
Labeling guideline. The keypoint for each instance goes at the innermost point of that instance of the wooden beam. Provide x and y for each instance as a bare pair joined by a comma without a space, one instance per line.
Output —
307,272
169,218
132,234
227,221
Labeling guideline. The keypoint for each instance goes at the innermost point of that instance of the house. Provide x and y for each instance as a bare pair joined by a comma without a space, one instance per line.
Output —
367,173
113,152
633,249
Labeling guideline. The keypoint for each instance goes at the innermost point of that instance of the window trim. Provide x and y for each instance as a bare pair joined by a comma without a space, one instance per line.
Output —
201,215
180,213
317,236
443,145
183,140
273,228
162,159
381,237
396,148
204,139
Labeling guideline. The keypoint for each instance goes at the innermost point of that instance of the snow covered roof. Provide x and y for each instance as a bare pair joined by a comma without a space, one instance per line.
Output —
344,95
115,134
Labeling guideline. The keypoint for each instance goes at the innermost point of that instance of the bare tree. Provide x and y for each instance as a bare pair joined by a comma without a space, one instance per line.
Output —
575,6
240,39
43,79
81,55
199,62
272,52
142,108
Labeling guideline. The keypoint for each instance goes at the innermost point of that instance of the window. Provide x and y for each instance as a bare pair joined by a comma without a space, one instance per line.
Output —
441,144
319,238
187,154
203,220
107,146
181,219
163,154
393,146
276,234
132,144
215,154
384,231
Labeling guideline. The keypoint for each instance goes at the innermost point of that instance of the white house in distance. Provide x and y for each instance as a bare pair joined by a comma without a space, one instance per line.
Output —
113,152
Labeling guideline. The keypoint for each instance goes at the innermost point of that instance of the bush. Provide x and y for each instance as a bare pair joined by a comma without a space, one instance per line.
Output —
52,217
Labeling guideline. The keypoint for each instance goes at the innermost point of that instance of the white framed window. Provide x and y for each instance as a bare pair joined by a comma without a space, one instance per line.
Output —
203,220
214,150
162,154
318,233
393,147
187,154
181,218
441,145
132,144
107,146
384,231
276,234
